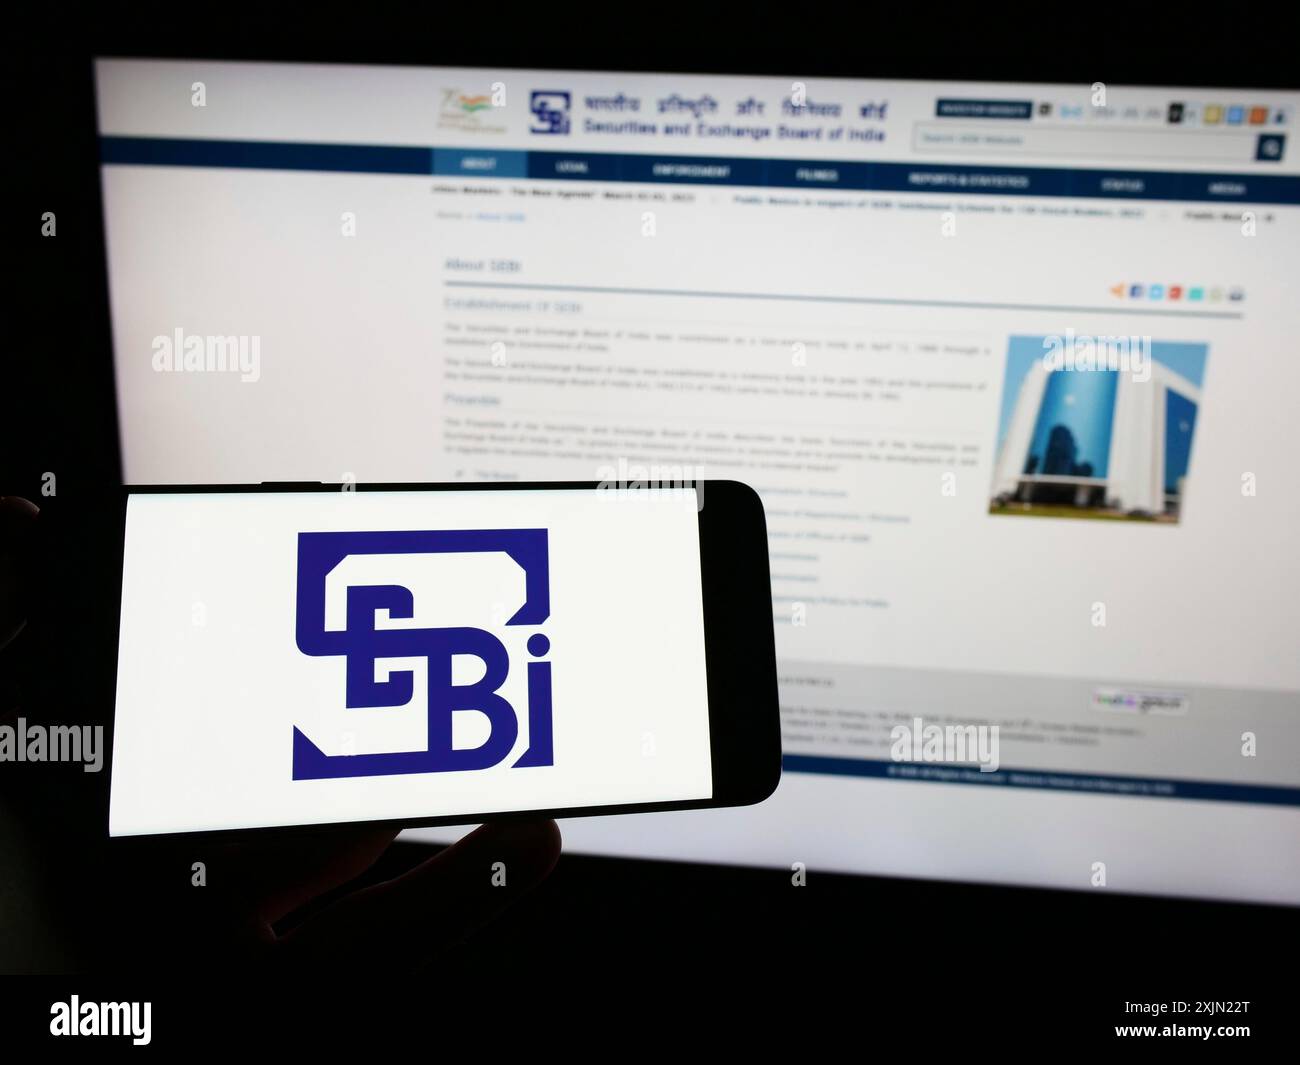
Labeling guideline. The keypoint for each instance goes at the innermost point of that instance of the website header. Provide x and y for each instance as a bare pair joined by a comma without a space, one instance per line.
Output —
1093,126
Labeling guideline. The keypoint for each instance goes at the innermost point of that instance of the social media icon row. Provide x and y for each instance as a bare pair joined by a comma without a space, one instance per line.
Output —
1192,293
1227,115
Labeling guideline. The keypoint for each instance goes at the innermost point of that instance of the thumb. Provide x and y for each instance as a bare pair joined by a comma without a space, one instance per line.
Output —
437,904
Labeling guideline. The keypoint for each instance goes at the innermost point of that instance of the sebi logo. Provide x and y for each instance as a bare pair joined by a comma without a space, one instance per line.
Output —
363,643
550,111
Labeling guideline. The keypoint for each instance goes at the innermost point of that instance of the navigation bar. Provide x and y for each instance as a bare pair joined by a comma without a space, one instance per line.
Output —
848,176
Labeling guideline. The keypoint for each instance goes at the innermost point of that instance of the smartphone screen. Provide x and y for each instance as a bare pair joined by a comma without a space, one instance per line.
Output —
311,657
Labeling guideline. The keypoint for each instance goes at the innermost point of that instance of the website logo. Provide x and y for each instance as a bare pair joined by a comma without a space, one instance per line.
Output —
1132,701
550,111
363,644
468,112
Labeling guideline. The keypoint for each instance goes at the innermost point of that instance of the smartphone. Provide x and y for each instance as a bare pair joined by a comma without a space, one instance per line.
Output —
310,654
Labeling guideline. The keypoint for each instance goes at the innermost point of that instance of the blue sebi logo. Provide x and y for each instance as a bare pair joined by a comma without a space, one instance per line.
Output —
363,645
550,111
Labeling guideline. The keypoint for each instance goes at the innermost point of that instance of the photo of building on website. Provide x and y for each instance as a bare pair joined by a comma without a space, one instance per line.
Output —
1097,427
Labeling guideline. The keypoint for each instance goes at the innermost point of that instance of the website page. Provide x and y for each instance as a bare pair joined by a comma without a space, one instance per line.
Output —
1012,367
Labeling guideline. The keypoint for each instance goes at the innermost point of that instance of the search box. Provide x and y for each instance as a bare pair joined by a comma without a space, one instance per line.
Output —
1096,145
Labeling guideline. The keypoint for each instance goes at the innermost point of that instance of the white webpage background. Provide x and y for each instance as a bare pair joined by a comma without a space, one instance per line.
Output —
352,384
206,708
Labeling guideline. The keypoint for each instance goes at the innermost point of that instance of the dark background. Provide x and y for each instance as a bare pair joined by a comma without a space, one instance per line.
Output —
92,907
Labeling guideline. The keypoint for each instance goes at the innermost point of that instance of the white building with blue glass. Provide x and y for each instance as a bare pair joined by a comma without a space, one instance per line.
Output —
1099,438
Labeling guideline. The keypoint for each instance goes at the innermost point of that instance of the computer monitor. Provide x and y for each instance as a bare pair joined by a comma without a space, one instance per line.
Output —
1012,366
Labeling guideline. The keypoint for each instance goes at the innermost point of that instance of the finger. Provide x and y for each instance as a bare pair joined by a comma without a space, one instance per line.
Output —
436,904
246,887
279,876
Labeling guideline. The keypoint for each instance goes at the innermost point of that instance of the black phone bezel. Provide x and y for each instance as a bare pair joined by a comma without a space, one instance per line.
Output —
740,652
